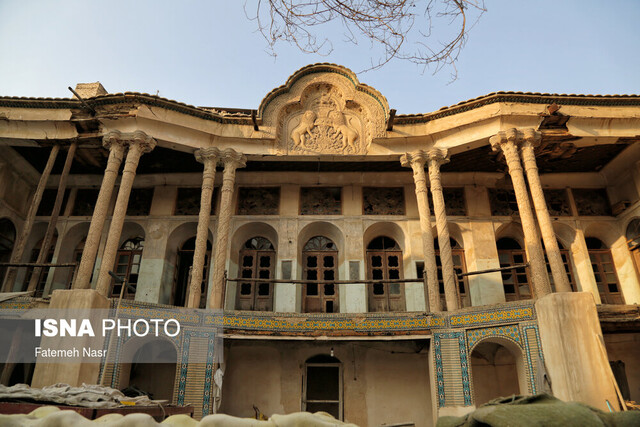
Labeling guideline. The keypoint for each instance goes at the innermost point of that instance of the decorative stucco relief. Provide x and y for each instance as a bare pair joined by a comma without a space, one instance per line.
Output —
323,124
323,109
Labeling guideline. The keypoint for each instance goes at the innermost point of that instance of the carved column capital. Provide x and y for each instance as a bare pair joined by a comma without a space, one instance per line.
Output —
517,137
139,139
415,159
505,138
531,137
113,141
204,155
231,159
438,156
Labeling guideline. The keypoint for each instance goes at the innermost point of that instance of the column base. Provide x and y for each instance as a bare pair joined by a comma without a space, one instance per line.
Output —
69,373
573,348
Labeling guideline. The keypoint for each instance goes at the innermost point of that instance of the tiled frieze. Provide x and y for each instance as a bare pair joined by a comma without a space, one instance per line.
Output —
496,315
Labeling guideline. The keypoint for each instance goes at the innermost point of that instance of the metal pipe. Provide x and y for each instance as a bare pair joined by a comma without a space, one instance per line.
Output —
36,264
323,282
493,270
84,103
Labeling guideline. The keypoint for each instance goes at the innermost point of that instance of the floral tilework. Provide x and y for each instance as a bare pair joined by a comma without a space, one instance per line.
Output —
502,315
510,332
444,369
304,323
533,353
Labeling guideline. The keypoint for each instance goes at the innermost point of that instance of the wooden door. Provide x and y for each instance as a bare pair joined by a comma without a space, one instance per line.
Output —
256,295
257,261
606,276
320,298
384,265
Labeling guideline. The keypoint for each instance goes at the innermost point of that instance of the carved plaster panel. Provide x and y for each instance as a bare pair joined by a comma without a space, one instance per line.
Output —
323,109
383,201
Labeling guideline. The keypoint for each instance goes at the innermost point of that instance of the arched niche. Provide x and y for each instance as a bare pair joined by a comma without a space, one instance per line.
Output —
131,230
246,232
322,228
153,368
174,254
512,230
241,243
498,369
603,231
389,229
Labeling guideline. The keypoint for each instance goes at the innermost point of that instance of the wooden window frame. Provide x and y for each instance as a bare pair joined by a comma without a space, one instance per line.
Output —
131,253
386,296
606,297
254,300
515,273
566,260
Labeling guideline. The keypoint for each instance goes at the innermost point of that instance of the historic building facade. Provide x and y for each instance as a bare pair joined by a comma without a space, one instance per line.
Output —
384,268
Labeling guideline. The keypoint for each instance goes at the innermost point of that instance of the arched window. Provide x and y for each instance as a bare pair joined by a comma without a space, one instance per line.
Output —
462,288
320,262
515,281
152,370
384,262
257,261
128,267
184,263
604,271
322,385
7,240
564,253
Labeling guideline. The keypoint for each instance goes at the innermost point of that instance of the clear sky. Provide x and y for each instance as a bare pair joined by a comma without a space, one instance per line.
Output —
207,53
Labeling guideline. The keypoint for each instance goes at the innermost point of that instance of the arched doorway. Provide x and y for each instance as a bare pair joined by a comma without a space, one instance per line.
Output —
515,281
152,371
322,385
183,273
384,262
7,240
257,261
496,371
604,271
128,267
320,262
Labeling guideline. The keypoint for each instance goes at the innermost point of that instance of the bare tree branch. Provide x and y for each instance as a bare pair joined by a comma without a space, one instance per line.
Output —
402,29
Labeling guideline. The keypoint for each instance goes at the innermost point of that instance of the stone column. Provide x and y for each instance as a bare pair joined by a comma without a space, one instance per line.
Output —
139,143
231,160
116,152
508,141
560,279
437,157
209,157
21,242
51,228
416,161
